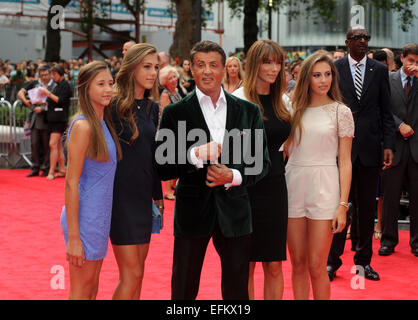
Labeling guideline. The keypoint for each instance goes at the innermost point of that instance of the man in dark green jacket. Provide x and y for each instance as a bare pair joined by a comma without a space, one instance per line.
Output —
215,144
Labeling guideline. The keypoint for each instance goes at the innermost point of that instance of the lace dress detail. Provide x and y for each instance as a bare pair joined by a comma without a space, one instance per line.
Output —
345,118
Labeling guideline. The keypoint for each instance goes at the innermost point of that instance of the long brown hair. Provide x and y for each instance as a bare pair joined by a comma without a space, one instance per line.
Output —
97,148
261,51
124,98
302,94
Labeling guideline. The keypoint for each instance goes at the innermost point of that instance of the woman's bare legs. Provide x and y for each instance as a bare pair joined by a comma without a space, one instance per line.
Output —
61,158
309,242
251,281
297,237
319,243
84,281
54,153
131,263
273,280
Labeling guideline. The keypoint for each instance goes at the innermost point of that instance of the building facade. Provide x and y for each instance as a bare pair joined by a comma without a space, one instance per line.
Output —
25,34
309,34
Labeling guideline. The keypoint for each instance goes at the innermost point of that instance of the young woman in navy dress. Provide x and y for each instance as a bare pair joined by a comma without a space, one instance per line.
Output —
135,115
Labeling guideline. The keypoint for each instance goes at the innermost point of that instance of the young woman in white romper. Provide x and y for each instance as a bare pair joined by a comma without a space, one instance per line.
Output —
318,188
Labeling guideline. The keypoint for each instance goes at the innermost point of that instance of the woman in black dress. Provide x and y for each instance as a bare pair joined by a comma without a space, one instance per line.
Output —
265,84
58,101
135,116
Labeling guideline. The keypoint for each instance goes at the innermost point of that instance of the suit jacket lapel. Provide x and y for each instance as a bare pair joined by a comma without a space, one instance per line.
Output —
346,76
410,107
397,85
233,112
413,103
233,115
414,89
368,75
196,114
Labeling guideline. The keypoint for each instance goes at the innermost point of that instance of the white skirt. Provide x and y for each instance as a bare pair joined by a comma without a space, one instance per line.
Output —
313,191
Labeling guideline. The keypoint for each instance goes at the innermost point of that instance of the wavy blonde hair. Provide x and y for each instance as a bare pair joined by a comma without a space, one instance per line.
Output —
240,72
302,93
261,51
124,97
97,148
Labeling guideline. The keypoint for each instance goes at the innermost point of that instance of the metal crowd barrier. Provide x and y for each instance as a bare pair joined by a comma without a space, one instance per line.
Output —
14,143
11,91
21,129
6,130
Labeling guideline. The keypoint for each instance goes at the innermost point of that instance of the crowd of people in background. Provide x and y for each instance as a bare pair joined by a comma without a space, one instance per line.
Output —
290,94
13,75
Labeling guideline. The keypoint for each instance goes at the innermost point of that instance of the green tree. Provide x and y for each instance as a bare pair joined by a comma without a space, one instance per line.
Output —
402,7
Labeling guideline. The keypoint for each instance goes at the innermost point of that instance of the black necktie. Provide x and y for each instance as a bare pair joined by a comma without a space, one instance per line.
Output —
407,88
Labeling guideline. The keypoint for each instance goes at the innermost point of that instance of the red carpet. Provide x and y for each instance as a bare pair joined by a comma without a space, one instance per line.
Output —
31,244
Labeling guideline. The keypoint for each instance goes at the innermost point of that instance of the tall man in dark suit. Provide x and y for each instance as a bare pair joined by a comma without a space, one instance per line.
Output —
404,88
211,199
365,90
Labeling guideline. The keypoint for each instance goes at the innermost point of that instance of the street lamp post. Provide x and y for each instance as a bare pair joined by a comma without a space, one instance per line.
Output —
269,11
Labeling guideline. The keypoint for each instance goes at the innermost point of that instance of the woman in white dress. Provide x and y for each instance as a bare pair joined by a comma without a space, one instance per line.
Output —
318,188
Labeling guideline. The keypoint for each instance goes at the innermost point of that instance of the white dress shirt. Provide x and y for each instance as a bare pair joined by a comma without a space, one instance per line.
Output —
403,78
353,63
215,119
